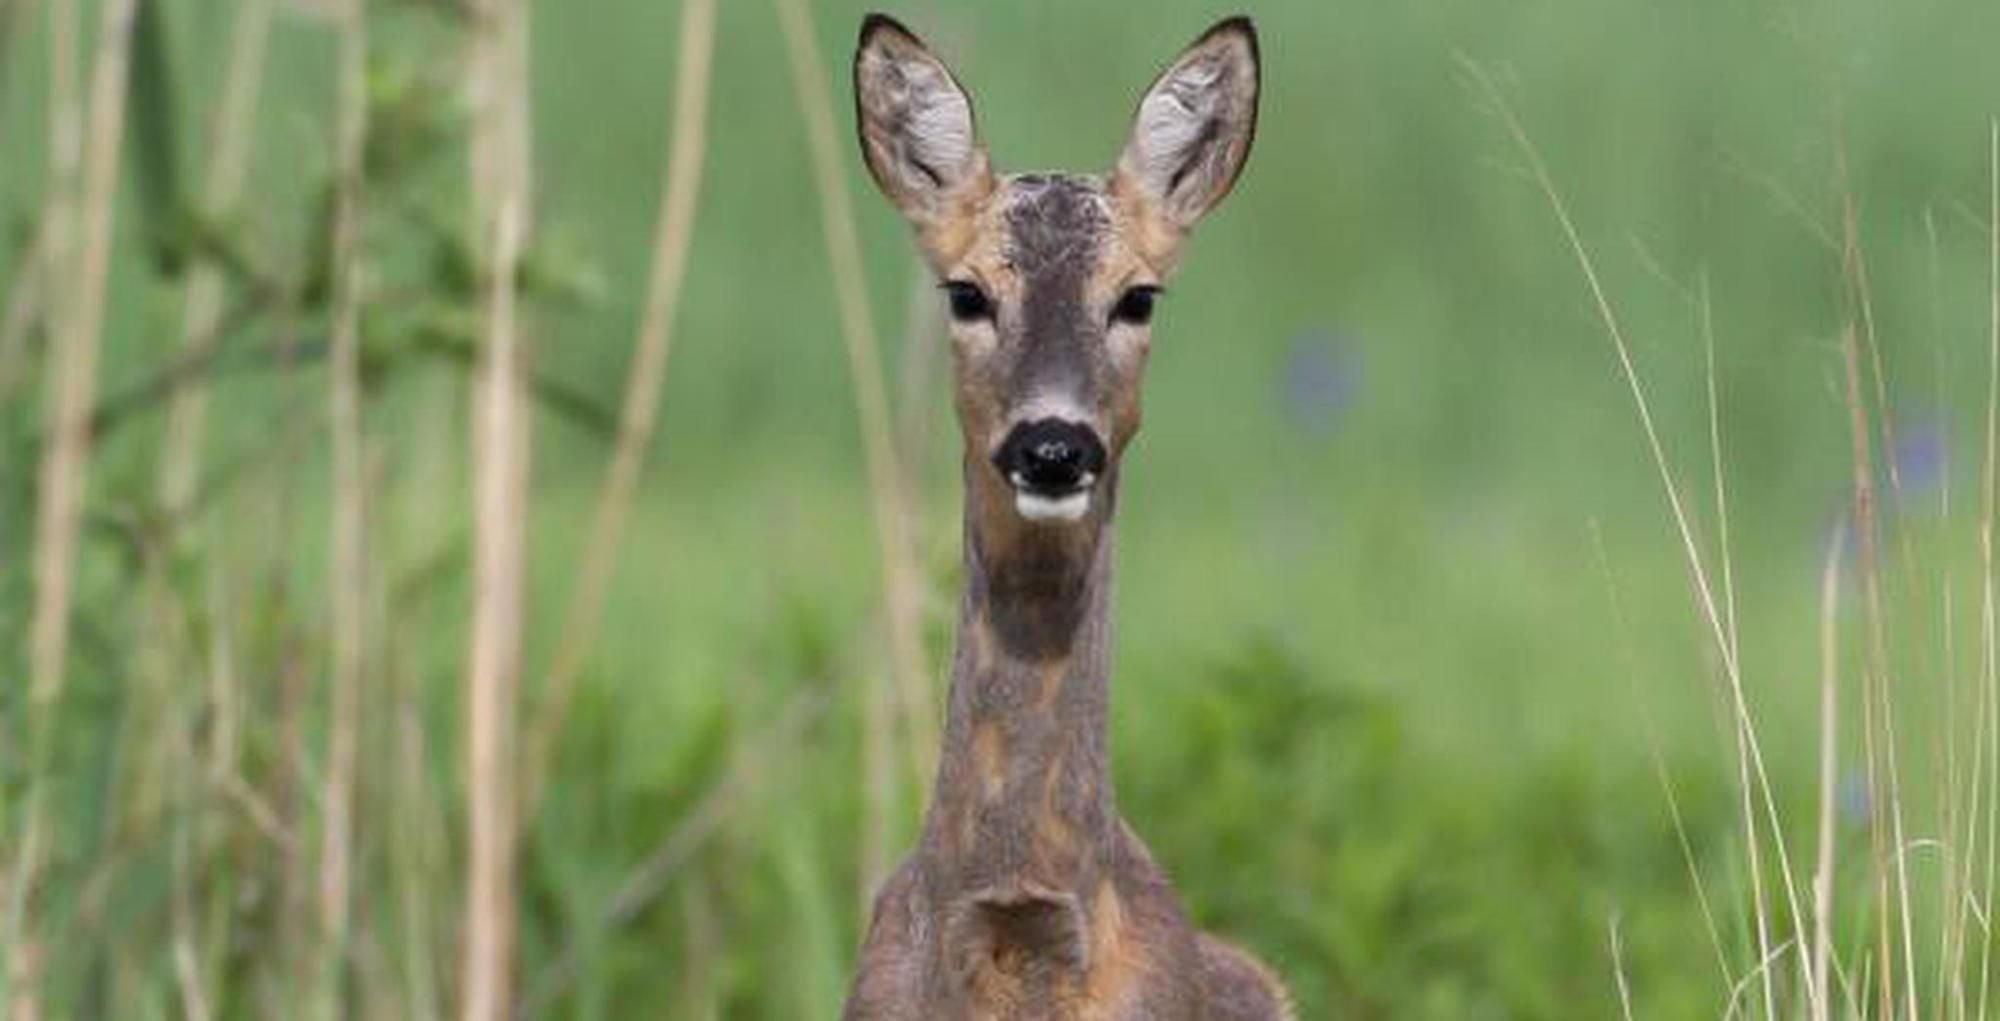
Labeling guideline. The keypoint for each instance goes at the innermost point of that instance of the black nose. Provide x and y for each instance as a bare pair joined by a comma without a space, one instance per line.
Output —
1051,456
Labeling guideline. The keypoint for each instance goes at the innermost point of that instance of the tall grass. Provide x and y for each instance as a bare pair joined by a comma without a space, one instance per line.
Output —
1887,961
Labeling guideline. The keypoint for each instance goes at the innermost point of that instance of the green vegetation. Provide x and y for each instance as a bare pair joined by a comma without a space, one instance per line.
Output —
1414,695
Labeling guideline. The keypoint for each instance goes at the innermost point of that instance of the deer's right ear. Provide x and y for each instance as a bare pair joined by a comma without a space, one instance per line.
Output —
916,126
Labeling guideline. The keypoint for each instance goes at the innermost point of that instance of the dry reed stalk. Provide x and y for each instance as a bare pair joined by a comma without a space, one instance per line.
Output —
82,186
1720,481
1829,733
1952,897
1989,493
911,685
1878,720
1759,900
1856,268
201,310
1875,755
1618,970
52,258
496,70
679,189
80,291
348,571
1704,590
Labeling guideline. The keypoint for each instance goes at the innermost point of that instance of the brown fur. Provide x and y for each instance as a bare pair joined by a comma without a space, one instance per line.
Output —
1029,897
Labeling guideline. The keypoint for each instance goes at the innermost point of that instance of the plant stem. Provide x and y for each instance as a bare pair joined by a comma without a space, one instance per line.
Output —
82,185
496,70
349,601
910,680
636,421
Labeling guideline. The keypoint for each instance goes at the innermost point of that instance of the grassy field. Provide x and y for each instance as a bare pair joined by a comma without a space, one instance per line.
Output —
1416,693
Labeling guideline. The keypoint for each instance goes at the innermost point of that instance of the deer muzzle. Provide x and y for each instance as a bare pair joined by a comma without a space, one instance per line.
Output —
1053,465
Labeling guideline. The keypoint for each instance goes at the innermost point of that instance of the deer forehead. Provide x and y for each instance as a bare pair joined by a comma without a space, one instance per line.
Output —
1051,237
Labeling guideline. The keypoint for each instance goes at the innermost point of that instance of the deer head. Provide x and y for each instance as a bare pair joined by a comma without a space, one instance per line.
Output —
1051,278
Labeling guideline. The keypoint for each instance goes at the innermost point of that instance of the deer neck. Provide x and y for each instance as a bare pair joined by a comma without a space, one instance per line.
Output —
1023,803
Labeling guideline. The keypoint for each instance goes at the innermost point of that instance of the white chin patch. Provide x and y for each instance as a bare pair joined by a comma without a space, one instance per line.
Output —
1071,507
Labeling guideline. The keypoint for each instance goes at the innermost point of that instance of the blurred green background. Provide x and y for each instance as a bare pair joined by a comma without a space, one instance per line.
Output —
1405,637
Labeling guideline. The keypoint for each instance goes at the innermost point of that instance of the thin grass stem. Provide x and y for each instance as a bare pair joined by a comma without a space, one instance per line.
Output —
1989,492
911,688
1829,735
673,232
1704,591
348,574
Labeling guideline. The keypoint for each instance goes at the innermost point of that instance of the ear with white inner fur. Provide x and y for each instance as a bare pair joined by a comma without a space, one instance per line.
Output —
915,123
1193,130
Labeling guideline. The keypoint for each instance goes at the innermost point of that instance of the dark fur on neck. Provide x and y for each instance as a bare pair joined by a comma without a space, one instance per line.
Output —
1022,824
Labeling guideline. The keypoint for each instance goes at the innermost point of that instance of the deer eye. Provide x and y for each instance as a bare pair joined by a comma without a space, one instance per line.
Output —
1135,306
968,302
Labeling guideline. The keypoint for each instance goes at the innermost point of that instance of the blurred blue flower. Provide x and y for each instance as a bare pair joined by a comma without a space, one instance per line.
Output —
1322,378
1923,459
1856,802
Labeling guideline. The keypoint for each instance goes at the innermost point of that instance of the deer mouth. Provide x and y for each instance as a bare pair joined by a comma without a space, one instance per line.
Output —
1038,504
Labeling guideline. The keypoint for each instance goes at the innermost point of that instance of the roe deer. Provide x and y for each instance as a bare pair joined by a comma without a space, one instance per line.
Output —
1028,896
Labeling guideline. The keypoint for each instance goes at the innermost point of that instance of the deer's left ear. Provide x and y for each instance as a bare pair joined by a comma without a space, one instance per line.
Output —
1193,130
